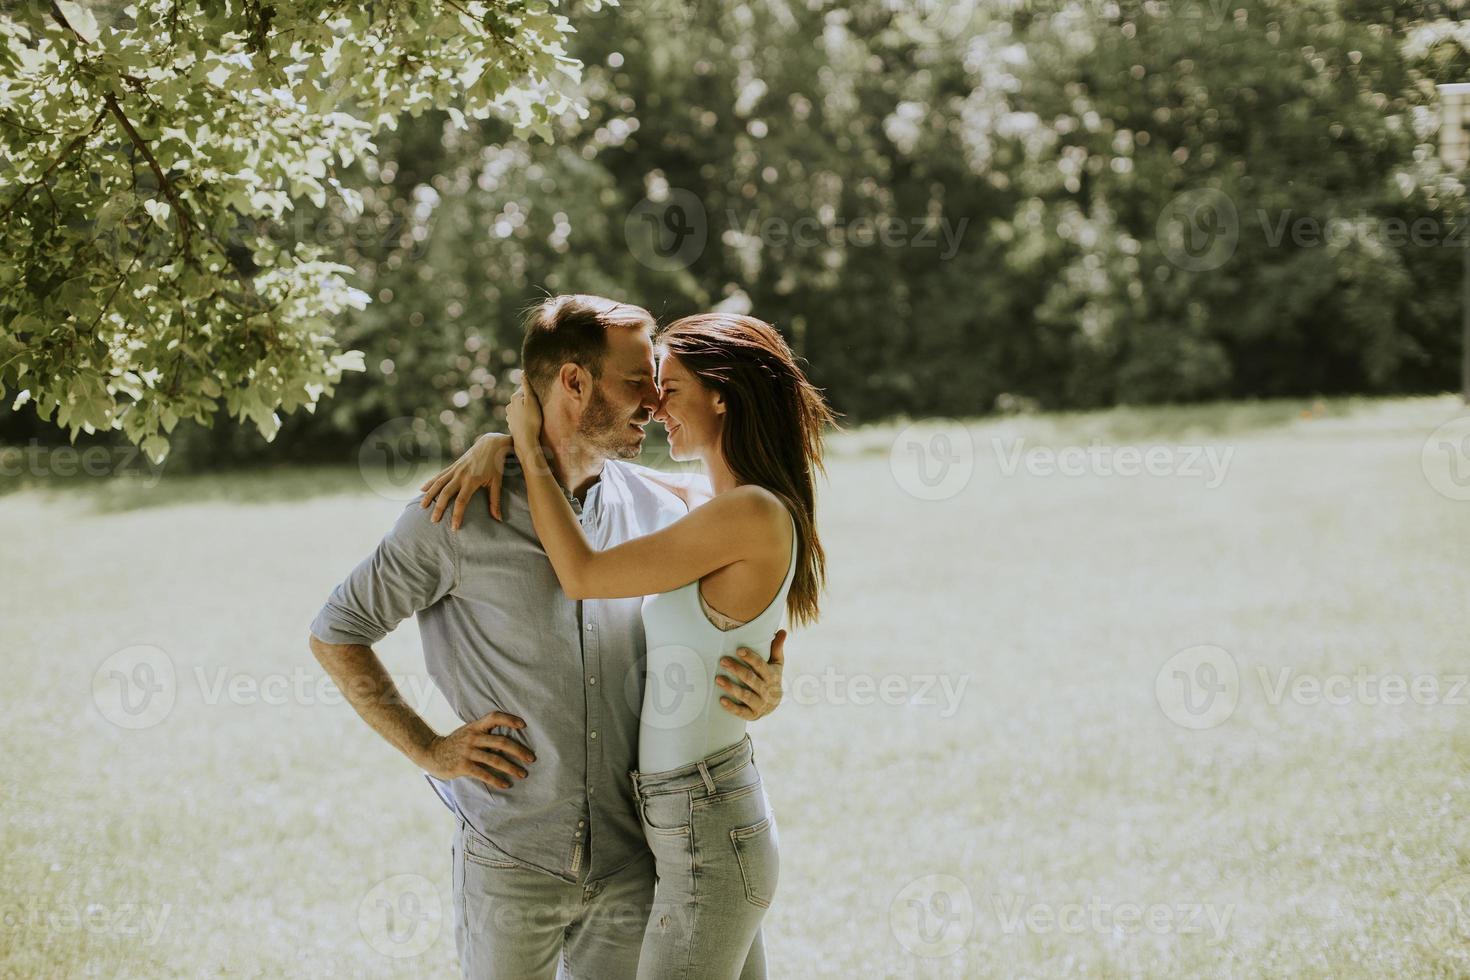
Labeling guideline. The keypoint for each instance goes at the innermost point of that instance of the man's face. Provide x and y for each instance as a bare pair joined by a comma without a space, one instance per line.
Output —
623,399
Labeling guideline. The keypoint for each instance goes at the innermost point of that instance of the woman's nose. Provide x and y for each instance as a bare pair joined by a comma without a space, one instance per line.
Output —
651,400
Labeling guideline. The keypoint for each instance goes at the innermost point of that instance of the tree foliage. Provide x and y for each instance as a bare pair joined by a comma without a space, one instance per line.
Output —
151,155
949,206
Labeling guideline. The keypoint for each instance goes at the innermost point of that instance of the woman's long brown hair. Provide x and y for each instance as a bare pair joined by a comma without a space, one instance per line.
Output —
773,425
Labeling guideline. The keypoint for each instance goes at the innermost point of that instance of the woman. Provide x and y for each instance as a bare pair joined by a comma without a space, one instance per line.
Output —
720,578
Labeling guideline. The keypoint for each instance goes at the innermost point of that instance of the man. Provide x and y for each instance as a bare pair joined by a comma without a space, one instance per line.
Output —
552,875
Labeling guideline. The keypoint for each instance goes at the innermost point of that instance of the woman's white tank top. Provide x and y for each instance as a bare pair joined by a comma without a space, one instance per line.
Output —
682,721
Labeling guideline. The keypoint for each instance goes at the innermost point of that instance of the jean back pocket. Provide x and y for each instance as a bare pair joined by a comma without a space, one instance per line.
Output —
759,859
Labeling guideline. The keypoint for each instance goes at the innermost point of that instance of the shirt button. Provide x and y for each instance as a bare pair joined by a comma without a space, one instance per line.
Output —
592,734
590,627
592,680
581,823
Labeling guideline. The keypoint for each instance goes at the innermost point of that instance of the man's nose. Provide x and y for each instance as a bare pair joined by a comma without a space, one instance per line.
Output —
652,400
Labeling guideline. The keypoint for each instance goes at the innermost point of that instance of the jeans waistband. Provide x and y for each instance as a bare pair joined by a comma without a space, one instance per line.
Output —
704,773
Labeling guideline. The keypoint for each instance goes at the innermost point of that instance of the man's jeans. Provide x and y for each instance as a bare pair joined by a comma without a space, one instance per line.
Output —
520,923
514,921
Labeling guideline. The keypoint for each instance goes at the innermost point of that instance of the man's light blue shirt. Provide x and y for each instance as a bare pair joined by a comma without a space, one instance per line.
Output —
499,635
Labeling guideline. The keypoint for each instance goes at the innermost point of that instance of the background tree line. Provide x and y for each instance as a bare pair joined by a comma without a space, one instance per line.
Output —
949,208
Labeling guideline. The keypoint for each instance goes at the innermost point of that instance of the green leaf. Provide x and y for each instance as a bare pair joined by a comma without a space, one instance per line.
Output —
80,19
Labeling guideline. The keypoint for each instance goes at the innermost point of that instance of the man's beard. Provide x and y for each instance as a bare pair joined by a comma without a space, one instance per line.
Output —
604,431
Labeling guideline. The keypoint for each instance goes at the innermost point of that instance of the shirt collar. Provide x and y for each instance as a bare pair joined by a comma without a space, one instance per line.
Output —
594,492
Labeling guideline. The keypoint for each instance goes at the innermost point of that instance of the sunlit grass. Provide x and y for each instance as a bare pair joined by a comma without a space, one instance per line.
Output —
1033,613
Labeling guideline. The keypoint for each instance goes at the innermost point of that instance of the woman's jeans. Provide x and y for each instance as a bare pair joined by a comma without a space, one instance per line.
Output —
713,838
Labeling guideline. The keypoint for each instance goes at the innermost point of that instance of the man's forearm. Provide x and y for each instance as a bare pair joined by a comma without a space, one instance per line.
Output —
360,675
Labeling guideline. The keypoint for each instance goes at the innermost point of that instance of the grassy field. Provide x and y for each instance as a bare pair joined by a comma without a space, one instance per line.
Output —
1053,723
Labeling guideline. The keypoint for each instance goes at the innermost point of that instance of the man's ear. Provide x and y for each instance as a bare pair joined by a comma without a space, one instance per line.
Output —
574,381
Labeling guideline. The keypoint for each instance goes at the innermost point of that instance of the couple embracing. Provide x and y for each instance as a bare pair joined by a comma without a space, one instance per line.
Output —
605,631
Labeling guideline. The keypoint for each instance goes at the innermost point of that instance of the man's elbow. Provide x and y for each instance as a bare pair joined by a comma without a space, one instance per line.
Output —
322,650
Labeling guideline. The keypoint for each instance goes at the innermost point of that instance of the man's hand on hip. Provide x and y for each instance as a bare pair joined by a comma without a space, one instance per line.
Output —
474,750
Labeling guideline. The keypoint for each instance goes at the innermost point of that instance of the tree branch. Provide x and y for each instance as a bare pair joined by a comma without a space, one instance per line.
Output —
142,245
70,149
181,212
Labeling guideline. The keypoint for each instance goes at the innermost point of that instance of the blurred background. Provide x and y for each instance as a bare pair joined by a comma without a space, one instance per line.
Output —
1144,652
950,208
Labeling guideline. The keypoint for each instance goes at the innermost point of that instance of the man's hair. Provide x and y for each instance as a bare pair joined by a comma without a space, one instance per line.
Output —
573,327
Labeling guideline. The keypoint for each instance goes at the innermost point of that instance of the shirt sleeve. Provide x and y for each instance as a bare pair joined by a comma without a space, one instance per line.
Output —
413,567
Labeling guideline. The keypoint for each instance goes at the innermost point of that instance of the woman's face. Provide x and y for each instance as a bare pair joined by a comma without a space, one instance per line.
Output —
693,413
